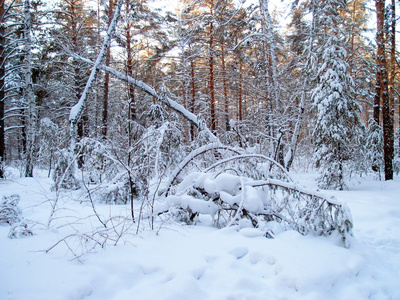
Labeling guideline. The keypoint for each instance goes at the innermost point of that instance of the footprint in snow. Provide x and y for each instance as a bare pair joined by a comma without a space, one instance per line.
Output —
271,260
168,277
211,259
255,257
198,273
149,269
239,252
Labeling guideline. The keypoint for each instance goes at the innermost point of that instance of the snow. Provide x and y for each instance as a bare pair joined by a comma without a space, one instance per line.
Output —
177,261
196,205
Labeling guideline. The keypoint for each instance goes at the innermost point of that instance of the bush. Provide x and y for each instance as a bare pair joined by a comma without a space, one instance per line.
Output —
230,192
9,210
20,230
10,214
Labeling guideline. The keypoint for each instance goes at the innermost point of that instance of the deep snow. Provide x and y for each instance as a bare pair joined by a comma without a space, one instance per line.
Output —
198,262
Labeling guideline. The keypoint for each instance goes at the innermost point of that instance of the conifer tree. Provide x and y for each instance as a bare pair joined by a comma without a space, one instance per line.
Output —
337,121
387,117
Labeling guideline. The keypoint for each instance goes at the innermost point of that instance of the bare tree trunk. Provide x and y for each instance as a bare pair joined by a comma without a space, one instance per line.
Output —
272,47
193,103
211,73
129,66
104,125
388,138
185,76
377,97
296,133
2,92
240,90
211,83
392,58
28,94
225,87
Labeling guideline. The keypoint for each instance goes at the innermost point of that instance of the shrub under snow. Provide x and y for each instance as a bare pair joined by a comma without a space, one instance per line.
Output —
10,214
226,194
9,210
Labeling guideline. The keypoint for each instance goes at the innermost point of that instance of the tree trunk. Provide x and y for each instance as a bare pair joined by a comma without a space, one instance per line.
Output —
192,105
104,125
129,66
28,94
377,97
211,73
240,91
288,161
392,58
2,93
225,89
268,31
388,138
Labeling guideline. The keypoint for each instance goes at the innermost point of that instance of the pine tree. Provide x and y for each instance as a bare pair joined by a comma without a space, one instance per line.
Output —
104,123
387,116
337,121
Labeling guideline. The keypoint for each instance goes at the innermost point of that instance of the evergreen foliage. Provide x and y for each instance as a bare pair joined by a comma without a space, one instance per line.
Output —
337,126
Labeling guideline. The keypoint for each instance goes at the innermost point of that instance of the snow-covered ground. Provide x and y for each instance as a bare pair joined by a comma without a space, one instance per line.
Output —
196,262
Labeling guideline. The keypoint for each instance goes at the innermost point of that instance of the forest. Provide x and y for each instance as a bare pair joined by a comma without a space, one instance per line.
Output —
202,110
217,149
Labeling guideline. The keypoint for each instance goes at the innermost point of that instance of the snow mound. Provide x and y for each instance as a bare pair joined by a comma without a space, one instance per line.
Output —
200,262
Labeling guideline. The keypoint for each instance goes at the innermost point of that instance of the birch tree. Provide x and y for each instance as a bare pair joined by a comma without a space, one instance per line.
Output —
28,93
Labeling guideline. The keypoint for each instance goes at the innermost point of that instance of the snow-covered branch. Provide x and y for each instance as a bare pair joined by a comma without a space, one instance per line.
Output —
192,155
192,118
77,109
244,156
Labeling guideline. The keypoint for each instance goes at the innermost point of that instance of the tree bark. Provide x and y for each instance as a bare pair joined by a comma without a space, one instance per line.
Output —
104,125
377,97
225,89
193,102
211,73
268,30
392,58
388,135
28,94
240,96
2,93
129,66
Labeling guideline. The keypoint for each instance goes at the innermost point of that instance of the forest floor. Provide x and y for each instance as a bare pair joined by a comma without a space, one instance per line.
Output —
179,262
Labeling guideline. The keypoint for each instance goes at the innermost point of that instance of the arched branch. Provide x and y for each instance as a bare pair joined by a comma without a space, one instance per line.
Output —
244,156
192,155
